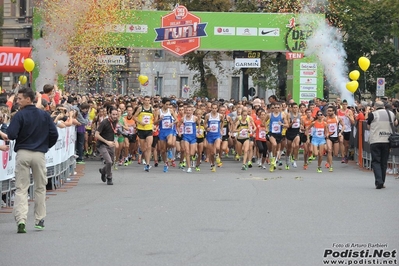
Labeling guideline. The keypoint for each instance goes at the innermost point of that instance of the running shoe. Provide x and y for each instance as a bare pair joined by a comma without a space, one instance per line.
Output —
287,167
21,228
330,169
213,168
249,164
189,170
40,225
327,165
244,167
294,164
165,169
319,170
305,167
197,169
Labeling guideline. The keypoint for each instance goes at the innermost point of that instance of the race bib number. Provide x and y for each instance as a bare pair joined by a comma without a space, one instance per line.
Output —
332,127
181,129
296,124
214,128
146,119
224,131
244,133
262,134
276,128
89,124
200,131
131,130
188,129
320,132
166,124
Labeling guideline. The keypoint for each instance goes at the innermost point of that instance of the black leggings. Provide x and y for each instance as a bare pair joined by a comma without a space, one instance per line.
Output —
262,147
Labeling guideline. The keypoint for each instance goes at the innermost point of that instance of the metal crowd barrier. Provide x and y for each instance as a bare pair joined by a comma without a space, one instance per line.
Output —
363,152
57,176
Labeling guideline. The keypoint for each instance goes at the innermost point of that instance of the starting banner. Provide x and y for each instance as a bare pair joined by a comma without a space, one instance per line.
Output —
60,152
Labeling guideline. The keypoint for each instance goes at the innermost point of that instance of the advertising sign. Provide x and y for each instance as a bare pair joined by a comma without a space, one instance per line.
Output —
12,58
180,31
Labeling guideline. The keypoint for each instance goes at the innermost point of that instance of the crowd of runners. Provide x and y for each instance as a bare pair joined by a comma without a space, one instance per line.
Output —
197,133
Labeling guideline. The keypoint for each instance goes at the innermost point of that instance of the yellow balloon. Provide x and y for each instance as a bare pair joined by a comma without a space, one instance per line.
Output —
143,80
352,86
354,75
29,64
23,79
364,63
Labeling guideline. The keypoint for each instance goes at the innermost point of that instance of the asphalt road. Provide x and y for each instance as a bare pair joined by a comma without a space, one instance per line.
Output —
230,217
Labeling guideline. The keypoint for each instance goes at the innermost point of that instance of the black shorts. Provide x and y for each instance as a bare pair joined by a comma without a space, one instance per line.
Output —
88,131
200,140
178,139
132,138
277,137
143,134
154,141
333,139
225,138
242,140
303,137
251,139
291,135
347,135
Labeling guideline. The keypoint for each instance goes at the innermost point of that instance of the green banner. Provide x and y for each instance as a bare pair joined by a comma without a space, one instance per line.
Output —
223,31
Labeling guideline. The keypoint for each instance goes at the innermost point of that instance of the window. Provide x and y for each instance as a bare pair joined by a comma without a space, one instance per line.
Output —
158,84
235,88
23,12
184,88
158,54
22,42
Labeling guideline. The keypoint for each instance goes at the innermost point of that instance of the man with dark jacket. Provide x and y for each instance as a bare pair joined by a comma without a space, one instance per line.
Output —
380,130
35,133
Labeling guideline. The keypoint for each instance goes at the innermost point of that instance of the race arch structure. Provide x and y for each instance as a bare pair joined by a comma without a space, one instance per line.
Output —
182,31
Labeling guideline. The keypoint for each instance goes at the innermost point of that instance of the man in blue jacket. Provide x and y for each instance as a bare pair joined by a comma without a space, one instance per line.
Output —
35,133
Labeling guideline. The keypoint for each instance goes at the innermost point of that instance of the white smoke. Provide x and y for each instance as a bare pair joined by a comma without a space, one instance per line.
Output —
327,46
49,52
52,61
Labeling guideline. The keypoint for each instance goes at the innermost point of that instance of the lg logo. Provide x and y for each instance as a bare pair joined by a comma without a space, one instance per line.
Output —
222,30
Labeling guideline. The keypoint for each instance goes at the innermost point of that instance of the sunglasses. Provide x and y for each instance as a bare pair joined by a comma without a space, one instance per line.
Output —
319,114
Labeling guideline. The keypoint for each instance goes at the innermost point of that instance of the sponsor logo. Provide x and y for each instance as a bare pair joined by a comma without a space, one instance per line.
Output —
247,31
269,32
307,88
136,28
247,63
308,66
291,23
295,39
307,94
305,81
11,59
224,31
308,73
181,31
290,56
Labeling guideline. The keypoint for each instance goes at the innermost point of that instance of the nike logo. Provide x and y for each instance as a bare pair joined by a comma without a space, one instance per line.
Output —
266,32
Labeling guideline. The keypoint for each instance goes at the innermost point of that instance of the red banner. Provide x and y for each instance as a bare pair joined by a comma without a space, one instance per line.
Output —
12,58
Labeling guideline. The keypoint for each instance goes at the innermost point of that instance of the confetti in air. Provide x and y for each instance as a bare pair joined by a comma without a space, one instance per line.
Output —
74,33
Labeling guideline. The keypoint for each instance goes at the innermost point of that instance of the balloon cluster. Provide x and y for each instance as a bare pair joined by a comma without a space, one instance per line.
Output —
354,75
143,80
29,65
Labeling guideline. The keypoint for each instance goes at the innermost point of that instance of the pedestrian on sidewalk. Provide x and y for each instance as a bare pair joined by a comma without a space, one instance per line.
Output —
35,133
378,122
105,135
